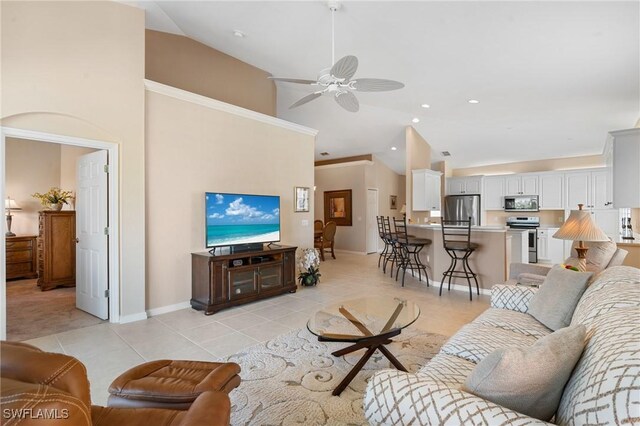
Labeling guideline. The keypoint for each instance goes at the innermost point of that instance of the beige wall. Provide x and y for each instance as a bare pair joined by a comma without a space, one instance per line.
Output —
418,157
359,177
387,182
77,69
344,176
192,149
189,65
534,166
30,167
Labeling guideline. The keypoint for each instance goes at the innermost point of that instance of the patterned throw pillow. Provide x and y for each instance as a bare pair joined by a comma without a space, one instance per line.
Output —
554,303
529,380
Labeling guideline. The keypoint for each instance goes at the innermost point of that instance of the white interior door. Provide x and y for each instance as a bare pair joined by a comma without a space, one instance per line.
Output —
91,233
372,224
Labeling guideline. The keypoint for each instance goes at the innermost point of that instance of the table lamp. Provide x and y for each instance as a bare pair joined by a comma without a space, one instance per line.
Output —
580,227
9,205
403,210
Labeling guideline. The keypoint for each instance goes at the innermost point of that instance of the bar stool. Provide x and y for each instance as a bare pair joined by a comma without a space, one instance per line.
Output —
386,251
409,249
393,255
456,238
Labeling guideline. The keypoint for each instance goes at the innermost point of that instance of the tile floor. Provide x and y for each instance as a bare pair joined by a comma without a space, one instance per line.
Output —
109,349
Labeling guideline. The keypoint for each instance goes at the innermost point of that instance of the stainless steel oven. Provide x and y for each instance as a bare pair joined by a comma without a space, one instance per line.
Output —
530,224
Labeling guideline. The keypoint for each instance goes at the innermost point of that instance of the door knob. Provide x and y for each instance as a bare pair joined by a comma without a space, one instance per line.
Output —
77,240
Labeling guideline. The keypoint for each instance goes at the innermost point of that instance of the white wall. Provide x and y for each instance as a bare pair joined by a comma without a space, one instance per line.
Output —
192,149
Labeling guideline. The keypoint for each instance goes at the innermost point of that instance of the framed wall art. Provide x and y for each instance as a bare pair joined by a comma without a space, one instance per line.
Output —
301,199
337,207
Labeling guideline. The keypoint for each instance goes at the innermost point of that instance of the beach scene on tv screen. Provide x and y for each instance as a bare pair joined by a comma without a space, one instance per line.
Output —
242,219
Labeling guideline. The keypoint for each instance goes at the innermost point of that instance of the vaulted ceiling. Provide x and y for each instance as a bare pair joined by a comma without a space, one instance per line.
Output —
552,78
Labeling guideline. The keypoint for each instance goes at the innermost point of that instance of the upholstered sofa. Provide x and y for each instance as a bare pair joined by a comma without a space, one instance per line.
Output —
43,388
604,387
533,274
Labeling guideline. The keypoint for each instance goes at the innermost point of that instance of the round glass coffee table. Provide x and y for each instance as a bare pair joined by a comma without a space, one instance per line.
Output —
368,323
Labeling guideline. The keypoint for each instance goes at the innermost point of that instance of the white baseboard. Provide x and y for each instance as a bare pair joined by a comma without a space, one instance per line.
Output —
133,317
166,309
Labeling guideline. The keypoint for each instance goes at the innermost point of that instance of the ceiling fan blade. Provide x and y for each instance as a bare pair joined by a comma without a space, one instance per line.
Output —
306,99
345,67
348,101
376,85
292,80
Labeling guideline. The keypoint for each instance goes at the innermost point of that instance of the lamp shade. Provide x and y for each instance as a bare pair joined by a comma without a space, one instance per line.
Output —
403,210
580,226
11,204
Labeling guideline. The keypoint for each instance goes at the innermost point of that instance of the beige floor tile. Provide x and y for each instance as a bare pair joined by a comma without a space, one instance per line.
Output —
273,312
206,332
185,319
141,330
229,345
294,320
242,321
265,331
47,344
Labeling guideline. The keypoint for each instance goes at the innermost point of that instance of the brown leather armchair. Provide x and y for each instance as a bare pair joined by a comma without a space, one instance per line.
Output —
38,388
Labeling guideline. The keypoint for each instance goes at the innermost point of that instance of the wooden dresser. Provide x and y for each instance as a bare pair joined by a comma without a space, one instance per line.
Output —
21,257
57,249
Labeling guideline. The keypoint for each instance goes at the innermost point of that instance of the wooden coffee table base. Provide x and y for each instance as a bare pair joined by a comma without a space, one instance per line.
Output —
372,344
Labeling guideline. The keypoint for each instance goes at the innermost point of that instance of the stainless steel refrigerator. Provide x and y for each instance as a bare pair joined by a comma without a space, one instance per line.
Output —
462,207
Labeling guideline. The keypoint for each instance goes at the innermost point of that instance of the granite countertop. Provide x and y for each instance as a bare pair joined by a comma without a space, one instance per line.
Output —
483,228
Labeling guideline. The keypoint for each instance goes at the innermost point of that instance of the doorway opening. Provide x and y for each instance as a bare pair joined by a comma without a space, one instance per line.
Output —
61,269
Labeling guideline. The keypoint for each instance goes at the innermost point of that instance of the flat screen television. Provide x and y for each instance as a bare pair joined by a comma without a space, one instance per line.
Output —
241,219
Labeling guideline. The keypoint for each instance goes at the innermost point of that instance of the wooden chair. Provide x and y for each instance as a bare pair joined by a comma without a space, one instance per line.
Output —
318,226
327,240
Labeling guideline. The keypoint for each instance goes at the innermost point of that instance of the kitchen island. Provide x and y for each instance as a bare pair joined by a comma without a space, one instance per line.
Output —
490,261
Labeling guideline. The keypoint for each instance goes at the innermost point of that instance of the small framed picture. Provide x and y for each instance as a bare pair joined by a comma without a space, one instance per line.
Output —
301,199
393,202
337,207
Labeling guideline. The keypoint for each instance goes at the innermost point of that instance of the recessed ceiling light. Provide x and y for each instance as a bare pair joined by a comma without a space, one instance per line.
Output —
393,148
416,120
425,106
239,34
473,101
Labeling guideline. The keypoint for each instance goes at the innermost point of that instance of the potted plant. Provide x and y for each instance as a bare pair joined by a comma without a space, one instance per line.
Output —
54,198
309,267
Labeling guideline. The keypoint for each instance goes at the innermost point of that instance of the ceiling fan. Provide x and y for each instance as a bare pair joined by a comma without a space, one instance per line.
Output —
338,80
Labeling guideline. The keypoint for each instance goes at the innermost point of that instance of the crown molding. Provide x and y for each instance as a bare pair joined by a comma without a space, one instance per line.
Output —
183,95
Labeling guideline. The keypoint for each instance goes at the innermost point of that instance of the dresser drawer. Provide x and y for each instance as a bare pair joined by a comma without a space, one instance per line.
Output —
19,268
19,245
19,256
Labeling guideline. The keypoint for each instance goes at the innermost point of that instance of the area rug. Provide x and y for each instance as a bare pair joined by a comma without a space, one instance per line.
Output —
34,313
289,380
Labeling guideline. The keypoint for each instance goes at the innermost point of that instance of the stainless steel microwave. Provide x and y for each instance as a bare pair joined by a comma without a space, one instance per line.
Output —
521,203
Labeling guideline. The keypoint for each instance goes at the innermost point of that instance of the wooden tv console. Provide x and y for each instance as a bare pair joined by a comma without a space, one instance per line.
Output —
227,278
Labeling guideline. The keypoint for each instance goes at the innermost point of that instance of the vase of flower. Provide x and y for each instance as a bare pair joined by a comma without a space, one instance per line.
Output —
309,267
54,199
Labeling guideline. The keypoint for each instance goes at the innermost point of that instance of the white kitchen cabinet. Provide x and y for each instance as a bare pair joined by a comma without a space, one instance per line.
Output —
493,193
550,250
426,190
607,220
588,187
521,185
464,185
624,148
551,194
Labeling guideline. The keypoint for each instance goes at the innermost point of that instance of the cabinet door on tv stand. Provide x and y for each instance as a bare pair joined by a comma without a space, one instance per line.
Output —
289,277
218,282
